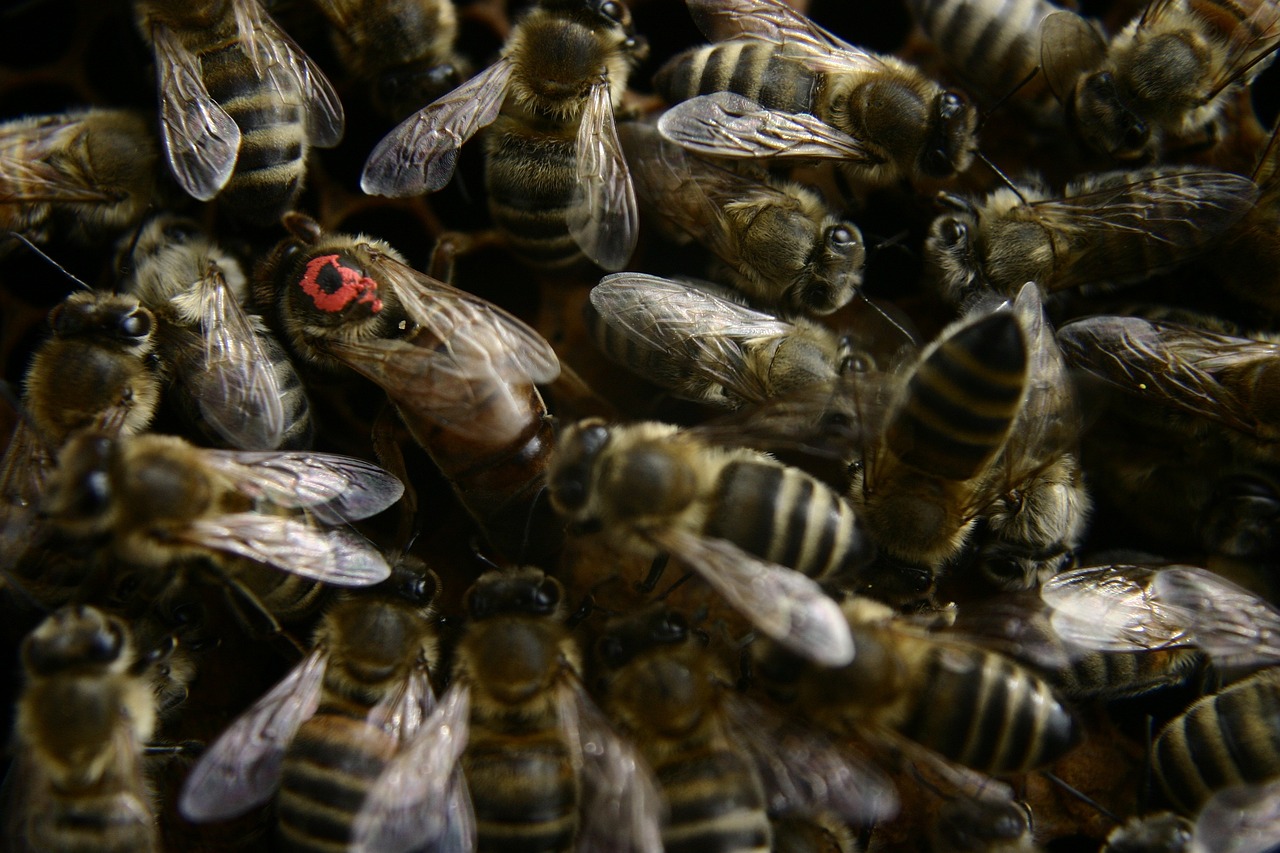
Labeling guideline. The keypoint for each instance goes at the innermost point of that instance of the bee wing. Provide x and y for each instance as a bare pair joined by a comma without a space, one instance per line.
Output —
277,59
1250,44
773,21
1239,819
1070,46
1229,623
1173,364
1112,608
420,154
621,807
201,141
477,338
805,771
415,802
236,385
404,711
1174,213
24,470
333,488
242,767
710,333
724,124
783,603
602,216
333,555
25,174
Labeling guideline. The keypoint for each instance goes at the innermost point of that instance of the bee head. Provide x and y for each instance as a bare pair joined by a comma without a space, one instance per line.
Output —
1105,120
950,144
74,637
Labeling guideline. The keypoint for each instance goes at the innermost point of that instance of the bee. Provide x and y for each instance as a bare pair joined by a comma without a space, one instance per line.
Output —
403,50
97,370
983,825
1114,227
1209,375
1164,76
759,532
992,46
230,368
323,734
701,344
83,174
85,714
778,85
544,767
230,78
159,499
782,246
559,187
460,370
908,688
723,763
922,479
1036,508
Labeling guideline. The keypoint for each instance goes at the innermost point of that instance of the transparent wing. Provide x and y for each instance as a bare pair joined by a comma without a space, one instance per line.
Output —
725,124
602,217
1239,819
1250,45
242,767
621,807
1069,47
331,487
709,335
419,156
236,386
278,60
333,555
460,818
1171,364
776,22
1112,608
1229,623
783,603
24,470
415,803
806,772
26,176
403,712
201,141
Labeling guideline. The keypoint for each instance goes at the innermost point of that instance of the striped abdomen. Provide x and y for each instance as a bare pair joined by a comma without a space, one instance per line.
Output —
299,431
787,517
992,44
523,788
108,821
715,803
754,69
328,770
287,597
980,709
962,400
271,164
1112,675
530,176
1228,738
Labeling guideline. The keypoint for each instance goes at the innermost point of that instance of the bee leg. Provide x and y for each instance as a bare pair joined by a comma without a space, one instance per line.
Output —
679,583
659,566
186,747
452,245
259,623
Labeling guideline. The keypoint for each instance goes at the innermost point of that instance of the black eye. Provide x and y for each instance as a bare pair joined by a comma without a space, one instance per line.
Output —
106,645
545,596
950,105
611,10
841,237
136,324
954,232
613,652
672,629
1135,136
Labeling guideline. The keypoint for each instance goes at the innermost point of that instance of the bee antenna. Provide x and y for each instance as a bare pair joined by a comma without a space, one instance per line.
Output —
982,119
480,555
33,247
1008,182
1268,153
1081,796
892,322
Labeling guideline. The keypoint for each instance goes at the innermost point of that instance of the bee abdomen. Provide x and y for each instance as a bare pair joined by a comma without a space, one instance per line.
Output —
328,771
103,823
962,400
1229,738
987,713
1112,675
531,178
299,431
995,43
750,68
524,792
787,517
715,805
270,166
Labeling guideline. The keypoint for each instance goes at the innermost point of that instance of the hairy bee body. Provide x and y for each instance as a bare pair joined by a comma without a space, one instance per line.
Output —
83,718
1226,738
84,174
754,69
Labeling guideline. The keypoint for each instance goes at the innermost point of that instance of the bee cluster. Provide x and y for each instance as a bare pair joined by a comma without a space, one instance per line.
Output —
349,506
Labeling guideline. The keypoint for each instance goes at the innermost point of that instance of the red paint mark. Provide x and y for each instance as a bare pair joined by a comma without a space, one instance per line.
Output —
333,286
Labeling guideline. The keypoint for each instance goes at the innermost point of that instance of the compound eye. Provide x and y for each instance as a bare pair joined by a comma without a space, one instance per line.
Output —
950,105
611,10
954,232
106,645
136,324
614,652
672,629
841,237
